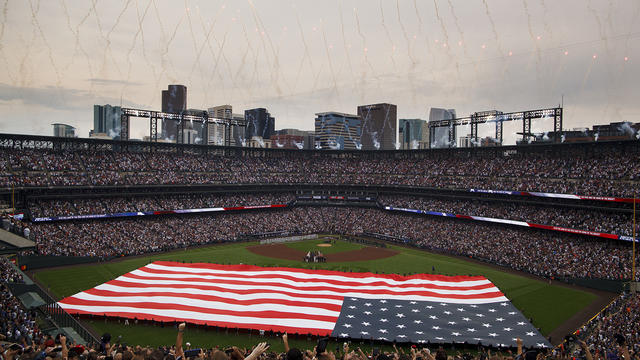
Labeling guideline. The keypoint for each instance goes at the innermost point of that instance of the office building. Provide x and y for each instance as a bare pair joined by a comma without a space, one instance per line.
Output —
379,124
440,138
63,130
259,123
221,112
174,100
338,131
106,120
413,134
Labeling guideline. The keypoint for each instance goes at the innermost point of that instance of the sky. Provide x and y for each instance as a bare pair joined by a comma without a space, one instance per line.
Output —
296,58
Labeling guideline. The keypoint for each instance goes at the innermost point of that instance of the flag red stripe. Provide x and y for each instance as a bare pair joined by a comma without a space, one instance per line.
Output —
356,275
217,288
277,328
272,314
327,288
329,281
116,294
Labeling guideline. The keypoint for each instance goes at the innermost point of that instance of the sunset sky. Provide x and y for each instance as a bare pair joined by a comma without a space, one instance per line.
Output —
296,58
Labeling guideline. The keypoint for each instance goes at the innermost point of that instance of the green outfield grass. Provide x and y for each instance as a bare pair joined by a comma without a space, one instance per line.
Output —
547,305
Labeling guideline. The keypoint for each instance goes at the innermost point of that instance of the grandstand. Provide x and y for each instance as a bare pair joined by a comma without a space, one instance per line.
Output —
555,211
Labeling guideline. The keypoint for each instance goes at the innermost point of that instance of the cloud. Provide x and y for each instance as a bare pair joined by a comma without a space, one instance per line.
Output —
106,82
56,98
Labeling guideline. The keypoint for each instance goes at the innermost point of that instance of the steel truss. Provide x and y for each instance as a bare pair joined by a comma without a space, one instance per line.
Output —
498,118
179,120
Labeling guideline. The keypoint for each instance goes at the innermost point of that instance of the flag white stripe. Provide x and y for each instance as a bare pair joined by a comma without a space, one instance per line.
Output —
178,278
444,298
183,301
230,295
309,276
328,288
211,318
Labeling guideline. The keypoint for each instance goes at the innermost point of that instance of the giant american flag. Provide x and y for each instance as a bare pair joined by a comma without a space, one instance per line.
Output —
418,308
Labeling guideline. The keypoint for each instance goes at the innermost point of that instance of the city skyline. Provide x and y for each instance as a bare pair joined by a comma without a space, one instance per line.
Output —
298,59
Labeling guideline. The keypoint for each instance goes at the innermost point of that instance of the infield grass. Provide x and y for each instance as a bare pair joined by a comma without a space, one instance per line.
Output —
546,305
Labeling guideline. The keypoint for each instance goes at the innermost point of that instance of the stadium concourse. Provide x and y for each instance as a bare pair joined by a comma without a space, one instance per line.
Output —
88,181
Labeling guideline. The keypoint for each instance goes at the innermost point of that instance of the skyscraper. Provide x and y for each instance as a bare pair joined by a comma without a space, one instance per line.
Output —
259,123
440,136
63,130
221,112
413,133
106,120
379,124
174,100
338,131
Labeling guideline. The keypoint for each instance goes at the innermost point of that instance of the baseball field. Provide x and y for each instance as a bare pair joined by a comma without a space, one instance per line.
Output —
552,307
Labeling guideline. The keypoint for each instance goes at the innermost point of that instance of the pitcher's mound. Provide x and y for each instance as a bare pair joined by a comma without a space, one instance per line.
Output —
281,251
324,245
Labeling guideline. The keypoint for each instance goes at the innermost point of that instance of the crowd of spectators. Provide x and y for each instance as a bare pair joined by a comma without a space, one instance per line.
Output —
537,252
602,170
117,204
622,318
603,220
9,272
17,324
59,347
610,221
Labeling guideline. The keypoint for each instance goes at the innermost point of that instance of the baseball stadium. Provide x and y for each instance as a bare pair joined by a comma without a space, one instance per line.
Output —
319,180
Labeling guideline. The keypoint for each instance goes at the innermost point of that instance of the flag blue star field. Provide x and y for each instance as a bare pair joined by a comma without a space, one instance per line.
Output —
418,308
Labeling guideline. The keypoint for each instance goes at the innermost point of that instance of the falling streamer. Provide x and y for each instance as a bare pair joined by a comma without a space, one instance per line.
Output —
493,27
129,62
364,41
144,48
217,56
275,71
545,16
386,30
406,37
242,64
5,11
115,24
428,42
23,62
586,76
196,62
107,47
306,56
533,38
344,40
34,14
603,35
463,41
333,74
78,45
164,59
222,55
446,41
